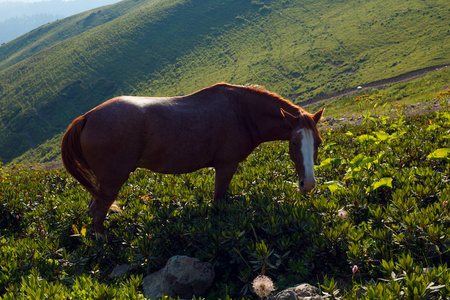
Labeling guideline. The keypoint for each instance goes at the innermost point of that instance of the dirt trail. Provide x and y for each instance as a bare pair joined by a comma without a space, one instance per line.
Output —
374,85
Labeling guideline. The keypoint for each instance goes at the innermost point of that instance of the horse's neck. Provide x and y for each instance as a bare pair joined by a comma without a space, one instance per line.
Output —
267,122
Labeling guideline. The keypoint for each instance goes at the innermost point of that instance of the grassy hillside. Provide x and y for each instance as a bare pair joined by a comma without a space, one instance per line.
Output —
300,49
55,32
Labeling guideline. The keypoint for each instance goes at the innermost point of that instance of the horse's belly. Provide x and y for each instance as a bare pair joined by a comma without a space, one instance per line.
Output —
169,170
177,162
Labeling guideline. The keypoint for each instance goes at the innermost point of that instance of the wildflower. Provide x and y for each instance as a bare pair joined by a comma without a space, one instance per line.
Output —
425,271
355,269
17,217
342,214
43,233
263,286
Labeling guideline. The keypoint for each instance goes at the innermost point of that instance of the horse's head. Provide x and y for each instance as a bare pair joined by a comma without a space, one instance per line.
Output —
304,144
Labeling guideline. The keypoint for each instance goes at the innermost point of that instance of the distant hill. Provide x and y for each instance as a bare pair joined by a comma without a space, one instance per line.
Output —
49,34
298,48
15,27
17,18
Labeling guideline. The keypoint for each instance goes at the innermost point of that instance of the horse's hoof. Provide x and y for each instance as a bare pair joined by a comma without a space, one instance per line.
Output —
100,237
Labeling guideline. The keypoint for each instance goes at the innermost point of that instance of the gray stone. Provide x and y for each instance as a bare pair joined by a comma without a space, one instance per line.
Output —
182,277
302,291
120,271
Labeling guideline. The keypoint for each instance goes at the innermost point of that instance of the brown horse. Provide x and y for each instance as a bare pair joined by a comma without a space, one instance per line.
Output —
218,127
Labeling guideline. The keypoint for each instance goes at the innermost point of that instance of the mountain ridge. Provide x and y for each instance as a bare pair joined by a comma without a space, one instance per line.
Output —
50,34
18,18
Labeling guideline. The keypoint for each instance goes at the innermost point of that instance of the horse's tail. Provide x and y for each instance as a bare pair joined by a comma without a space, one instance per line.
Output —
73,157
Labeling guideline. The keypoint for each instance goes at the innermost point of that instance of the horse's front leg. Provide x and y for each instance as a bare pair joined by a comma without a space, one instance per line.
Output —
223,179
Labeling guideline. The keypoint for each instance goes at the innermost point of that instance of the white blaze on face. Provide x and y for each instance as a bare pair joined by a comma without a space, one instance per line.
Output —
308,158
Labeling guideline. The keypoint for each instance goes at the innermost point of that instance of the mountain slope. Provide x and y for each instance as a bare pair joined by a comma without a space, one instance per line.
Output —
18,18
300,49
55,32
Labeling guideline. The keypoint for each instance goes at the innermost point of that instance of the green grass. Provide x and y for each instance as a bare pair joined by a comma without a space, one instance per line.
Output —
381,203
300,49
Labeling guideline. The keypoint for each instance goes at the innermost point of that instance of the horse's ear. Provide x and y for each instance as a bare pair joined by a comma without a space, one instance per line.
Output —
289,118
318,115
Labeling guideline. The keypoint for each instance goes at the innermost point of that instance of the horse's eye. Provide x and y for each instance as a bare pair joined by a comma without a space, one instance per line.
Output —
295,144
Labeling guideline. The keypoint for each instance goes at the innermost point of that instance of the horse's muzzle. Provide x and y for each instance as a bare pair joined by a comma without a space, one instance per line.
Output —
307,185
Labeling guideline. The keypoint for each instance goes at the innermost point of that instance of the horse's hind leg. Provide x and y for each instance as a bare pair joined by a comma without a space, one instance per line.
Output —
100,205
99,209
98,214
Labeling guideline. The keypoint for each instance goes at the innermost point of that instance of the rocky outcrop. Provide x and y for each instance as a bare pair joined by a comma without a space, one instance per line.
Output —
182,277
299,292
120,271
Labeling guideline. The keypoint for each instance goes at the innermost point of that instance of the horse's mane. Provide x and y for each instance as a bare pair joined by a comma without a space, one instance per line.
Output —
306,118
262,90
